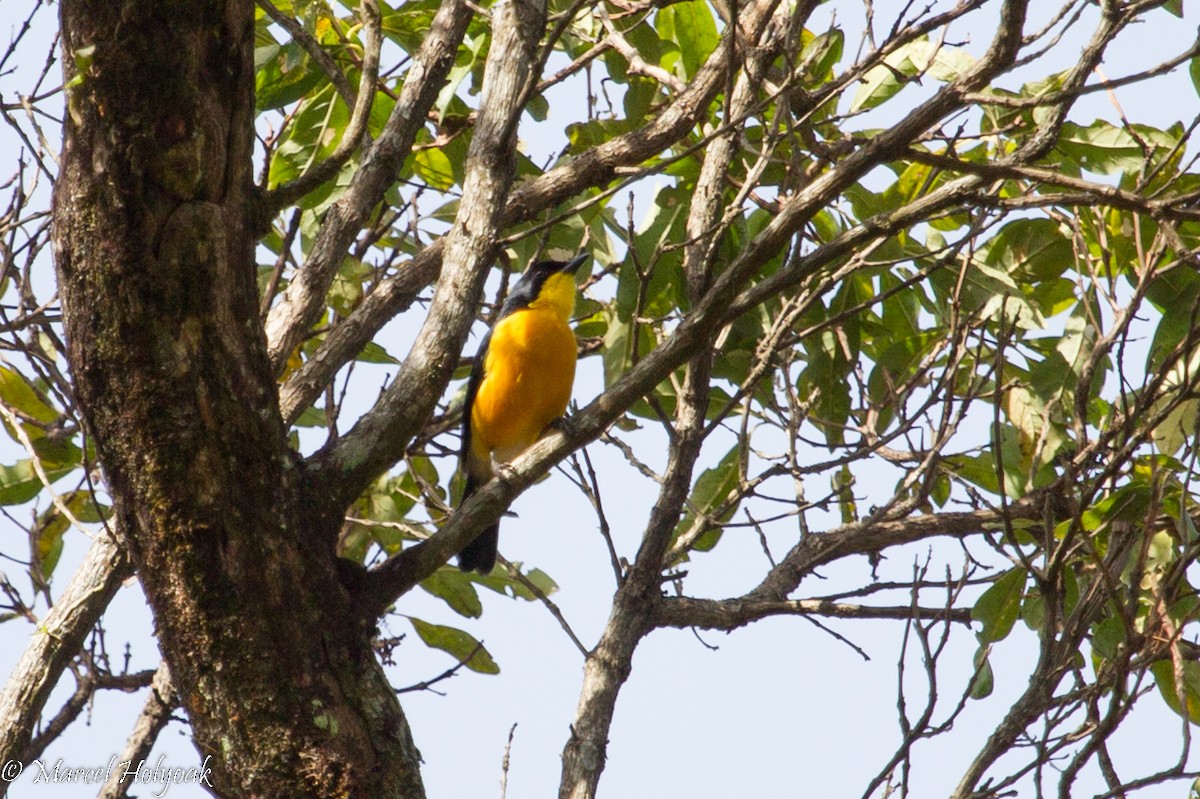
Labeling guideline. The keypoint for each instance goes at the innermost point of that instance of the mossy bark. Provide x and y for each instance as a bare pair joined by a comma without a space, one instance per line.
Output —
232,543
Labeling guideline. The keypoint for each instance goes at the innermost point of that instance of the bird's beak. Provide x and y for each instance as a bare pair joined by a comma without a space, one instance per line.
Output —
572,266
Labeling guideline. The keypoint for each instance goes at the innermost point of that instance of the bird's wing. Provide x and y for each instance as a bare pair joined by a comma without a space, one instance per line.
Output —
469,403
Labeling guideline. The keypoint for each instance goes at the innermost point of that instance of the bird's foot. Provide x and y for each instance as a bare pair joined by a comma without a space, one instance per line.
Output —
563,424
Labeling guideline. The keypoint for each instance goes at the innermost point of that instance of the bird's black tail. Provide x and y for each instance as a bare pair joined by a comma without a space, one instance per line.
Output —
480,554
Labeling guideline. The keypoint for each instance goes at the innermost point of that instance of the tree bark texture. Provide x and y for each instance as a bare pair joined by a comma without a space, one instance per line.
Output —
155,258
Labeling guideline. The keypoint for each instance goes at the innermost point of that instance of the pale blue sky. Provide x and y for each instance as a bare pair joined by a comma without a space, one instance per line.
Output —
779,709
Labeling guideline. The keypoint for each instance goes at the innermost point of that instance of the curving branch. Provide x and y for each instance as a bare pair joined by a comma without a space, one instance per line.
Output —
730,614
360,114
637,65
57,642
595,167
156,713
608,666
322,59
302,304
379,437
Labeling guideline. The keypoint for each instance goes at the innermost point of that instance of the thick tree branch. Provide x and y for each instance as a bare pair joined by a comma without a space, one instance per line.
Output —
595,167
730,614
302,304
720,305
1083,192
867,537
56,643
156,712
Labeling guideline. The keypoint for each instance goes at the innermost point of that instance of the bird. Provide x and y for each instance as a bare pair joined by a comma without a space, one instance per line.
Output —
520,384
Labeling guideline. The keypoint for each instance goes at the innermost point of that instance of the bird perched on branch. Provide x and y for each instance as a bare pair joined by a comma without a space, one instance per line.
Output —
520,383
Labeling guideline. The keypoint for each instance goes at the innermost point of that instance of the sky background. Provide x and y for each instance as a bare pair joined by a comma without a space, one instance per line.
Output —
779,709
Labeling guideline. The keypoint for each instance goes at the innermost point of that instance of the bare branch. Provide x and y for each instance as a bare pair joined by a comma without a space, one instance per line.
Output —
57,642
360,114
156,713
729,614
595,167
311,46
381,434
301,304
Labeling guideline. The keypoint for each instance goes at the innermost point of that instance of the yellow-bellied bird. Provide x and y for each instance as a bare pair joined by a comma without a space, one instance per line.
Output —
520,383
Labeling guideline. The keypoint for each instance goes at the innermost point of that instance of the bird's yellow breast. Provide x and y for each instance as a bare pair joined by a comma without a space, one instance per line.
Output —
529,369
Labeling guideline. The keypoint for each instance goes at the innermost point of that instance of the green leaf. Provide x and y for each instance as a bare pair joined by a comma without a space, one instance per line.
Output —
1179,426
981,469
691,26
52,524
842,484
1174,294
282,75
939,492
346,290
1033,610
822,53
459,644
1112,149
1031,250
917,58
713,488
434,168
465,63
455,589
983,681
375,353
500,582
540,579
311,417
1127,504
1164,676
998,607
538,107
1041,436
315,131
82,58
20,483
896,363
1107,637
17,393
1160,554
50,546
882,82
409,24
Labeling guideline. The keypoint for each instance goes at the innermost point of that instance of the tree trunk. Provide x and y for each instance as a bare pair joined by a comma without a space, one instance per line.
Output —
153,211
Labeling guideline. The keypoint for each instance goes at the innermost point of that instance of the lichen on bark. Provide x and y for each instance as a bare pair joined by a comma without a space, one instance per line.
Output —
232,544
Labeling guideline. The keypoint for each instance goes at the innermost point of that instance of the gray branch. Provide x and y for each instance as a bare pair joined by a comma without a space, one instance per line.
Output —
155,714
304,300
57,642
